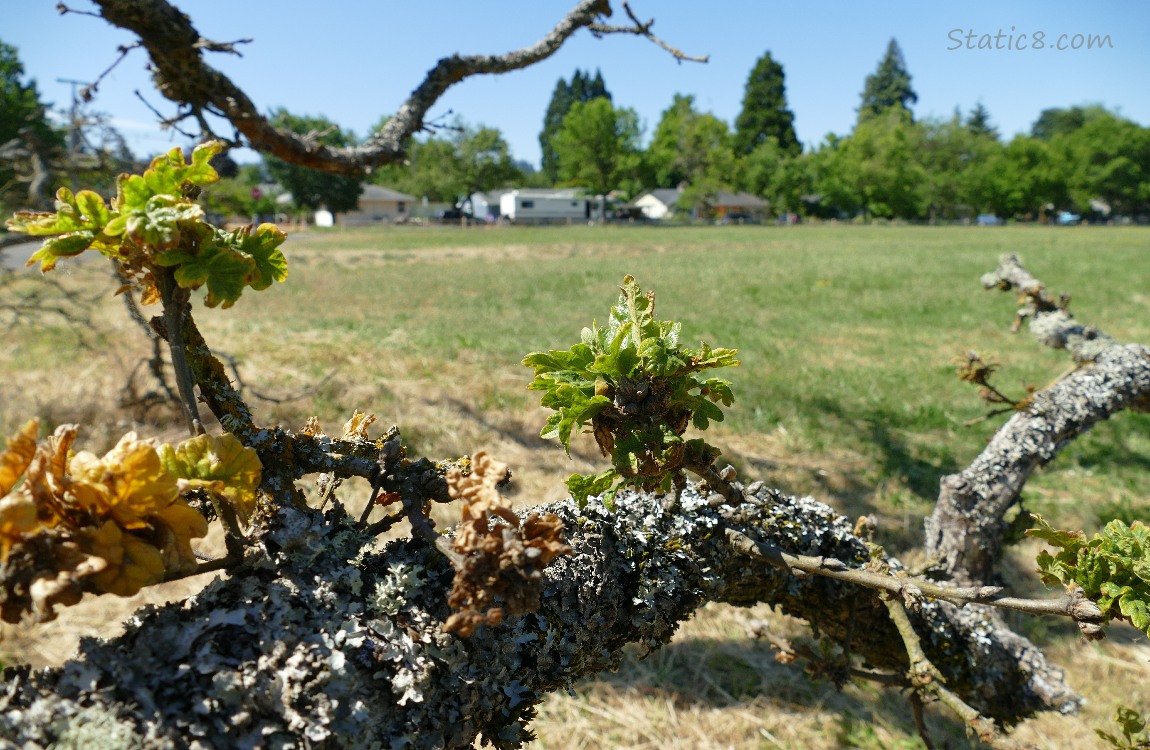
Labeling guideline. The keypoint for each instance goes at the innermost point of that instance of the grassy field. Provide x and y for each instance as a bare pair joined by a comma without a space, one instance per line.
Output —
847,391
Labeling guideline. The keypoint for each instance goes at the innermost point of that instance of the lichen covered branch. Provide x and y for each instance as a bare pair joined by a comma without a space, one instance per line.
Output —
966,529
348,648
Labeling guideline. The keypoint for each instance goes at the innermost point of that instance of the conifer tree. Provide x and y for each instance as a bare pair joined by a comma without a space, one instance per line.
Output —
765,113
888,86
583,88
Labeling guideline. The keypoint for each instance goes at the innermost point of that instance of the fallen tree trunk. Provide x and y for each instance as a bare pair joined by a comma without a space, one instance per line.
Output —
312,642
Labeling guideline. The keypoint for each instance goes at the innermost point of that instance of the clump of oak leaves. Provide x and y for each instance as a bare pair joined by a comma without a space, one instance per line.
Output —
639,389
76,522
154,222
1112,569
496,558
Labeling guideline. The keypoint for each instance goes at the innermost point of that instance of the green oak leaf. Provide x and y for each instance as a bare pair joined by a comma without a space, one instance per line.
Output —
583,487
167,173
221,465
262,246
224,270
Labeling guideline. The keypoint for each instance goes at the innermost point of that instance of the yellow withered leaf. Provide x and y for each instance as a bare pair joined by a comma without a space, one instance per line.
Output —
14,459
135,482
132,562
18,521
176,526
356,427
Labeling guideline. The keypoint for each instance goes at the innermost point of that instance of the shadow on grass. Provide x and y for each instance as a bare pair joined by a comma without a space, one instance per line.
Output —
730,673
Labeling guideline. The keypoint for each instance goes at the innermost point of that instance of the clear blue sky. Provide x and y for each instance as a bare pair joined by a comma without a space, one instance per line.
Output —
357,61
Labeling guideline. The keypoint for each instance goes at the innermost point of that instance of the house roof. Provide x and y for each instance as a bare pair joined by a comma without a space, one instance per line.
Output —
380,193
545,192
739,200
667,196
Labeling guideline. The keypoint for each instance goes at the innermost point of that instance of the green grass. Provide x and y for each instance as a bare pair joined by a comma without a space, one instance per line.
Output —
847,391
847,334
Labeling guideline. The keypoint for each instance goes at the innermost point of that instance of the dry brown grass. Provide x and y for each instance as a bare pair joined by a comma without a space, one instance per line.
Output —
712,687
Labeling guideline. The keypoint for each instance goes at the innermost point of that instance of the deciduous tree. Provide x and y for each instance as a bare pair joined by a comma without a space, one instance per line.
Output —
311,188
691,149
598,145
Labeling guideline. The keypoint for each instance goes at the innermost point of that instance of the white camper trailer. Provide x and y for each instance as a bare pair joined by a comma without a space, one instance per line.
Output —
543,207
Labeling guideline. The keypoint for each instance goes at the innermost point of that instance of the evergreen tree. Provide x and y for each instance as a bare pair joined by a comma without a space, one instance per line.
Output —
556,111
765,114
978,122
583,88
888,86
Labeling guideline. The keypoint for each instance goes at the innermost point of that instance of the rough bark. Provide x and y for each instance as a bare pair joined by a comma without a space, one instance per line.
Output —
966,529
316,643
181,75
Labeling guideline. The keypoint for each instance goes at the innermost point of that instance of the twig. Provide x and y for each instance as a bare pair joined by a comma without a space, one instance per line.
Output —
174,299
88,91
643,29
928,681
1077,609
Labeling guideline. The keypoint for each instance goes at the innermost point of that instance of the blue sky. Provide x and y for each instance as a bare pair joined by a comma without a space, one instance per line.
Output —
357,61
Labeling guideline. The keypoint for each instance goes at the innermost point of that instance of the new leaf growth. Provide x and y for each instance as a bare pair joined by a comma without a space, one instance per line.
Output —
155,222
1112,568
639,389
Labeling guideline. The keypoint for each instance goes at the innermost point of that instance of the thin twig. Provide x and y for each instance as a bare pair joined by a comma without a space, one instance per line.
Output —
928,681
1079,610
88,91
174,299
643,29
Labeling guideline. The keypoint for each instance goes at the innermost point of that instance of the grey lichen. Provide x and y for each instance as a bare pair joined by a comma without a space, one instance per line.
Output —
314,642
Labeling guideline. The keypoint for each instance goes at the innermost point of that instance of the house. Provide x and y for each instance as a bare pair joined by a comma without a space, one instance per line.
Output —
379,204
658,204
723,206
737,208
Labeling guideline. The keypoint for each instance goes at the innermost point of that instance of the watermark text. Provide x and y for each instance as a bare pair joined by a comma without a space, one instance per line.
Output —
1018,41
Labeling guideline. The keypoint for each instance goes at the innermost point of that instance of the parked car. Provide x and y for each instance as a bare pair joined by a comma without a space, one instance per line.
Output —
1066,218
988,220
451,216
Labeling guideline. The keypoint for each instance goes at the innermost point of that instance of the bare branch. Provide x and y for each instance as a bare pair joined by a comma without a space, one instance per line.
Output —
87,91
183,77
914,588
643,29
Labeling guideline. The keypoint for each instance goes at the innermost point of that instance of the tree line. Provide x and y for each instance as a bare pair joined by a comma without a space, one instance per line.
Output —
1084,159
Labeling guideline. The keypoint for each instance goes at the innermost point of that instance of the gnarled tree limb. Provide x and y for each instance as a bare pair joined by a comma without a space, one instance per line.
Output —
312,641
966,529
181,75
